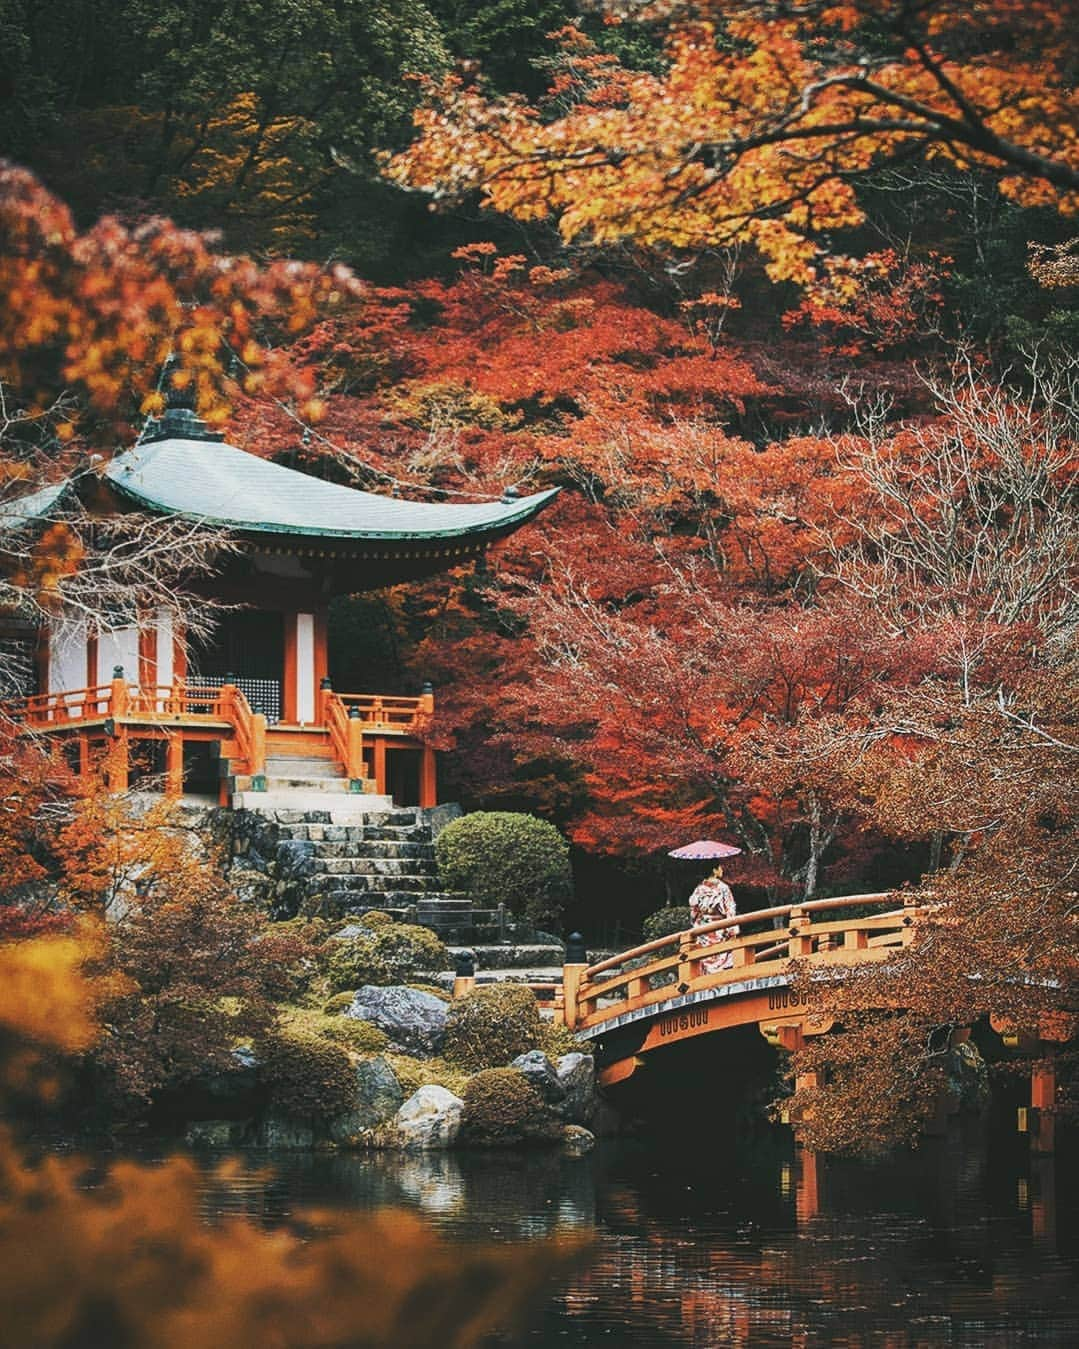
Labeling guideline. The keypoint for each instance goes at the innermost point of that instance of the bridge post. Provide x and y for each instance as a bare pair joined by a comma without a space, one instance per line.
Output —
572,975
687,968
800,944
1043,1093
464,980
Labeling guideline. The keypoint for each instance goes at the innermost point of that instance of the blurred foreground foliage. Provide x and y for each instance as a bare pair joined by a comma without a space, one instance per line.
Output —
129,1262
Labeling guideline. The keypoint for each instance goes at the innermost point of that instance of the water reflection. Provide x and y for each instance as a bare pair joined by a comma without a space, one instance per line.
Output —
966,1243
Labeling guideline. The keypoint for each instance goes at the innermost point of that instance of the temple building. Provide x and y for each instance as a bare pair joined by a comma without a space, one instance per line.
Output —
250,713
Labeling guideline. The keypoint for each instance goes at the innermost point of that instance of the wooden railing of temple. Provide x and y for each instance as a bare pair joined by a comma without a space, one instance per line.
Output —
404,714
346,734
360,727
762,942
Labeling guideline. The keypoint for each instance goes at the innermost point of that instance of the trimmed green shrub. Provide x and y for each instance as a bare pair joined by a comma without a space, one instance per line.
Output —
308,1077
492,1025
501,1107
340,1002
374,918
394,954
498,856
662,923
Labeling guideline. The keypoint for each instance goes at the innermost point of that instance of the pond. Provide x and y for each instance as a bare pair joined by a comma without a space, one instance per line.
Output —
968,1242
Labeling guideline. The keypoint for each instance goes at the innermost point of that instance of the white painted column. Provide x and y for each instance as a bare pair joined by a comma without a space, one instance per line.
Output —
305,667
166,636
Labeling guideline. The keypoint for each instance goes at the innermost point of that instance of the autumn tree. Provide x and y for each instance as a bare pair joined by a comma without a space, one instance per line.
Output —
762,125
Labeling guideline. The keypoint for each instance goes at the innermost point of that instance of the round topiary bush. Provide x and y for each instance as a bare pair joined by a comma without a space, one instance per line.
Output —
490,1026
375,918
308,1077
662,923
498,856
501,1108
393,954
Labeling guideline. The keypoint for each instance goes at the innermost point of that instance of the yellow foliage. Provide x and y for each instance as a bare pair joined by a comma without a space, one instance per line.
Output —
45,994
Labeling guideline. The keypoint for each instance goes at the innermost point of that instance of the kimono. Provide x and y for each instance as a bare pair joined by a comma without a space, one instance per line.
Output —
711,901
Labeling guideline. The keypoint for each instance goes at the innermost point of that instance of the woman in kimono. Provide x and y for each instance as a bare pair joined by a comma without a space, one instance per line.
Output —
711,901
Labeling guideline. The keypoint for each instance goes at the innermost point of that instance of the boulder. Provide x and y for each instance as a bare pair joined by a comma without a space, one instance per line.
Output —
378,1098
429,1119
540,1071
414,1021
577,1077
577,1142
279,1131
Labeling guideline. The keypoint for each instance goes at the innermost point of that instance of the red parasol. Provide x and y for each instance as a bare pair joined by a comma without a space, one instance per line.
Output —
703,849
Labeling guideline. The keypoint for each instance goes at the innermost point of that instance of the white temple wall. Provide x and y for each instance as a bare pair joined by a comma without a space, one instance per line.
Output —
120,647
67,655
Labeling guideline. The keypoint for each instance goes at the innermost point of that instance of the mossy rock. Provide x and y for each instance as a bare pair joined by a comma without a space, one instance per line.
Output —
306,1023
416,1073
490,1026
393,954
436,991
503,1109
555,1041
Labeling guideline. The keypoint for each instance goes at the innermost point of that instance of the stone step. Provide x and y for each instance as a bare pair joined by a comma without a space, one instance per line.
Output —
361,850
368,866
356,901
288,766
336,880
290,807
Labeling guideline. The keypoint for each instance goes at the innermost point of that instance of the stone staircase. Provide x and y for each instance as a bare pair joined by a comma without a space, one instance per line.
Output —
379,859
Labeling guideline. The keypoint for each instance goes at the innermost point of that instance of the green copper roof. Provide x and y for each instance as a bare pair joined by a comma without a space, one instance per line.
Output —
25,510
221,485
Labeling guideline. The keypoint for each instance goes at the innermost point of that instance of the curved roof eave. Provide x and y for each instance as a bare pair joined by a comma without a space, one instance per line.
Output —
218,484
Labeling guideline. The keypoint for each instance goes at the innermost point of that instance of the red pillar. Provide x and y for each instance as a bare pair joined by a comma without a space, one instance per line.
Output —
428,778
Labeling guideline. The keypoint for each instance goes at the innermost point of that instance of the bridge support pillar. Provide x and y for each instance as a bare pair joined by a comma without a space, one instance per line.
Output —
1043,1091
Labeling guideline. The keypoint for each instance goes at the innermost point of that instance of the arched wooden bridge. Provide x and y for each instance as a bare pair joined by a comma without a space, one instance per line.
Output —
655,995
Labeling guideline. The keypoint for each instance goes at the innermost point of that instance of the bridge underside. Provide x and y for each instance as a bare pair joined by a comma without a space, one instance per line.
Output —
622,1042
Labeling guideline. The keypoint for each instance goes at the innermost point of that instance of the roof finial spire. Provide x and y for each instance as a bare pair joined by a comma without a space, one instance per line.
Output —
179,421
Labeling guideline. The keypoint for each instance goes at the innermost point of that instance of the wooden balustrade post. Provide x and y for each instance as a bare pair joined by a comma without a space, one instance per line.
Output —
354,767
464,980
118,693
225,699
688,968
258,752
573,972
801,943
174,766
427,699
325,697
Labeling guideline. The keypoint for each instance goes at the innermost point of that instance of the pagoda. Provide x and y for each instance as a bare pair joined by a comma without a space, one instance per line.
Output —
250,713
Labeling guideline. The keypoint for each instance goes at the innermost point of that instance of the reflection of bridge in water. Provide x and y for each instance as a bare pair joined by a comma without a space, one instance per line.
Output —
634,1006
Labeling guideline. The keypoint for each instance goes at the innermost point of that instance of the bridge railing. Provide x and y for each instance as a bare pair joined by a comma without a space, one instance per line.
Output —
870,927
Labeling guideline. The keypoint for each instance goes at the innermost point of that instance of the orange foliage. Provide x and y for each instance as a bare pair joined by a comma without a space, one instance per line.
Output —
761,123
